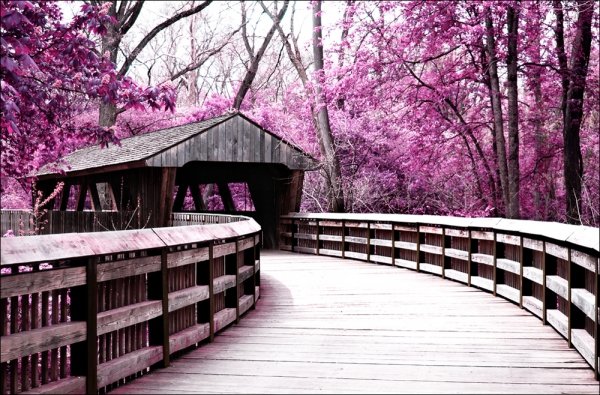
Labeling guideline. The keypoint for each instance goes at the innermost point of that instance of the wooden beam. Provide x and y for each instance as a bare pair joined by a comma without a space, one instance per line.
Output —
96,205
198,201
180,197
226,196
166,195
81,196
64,199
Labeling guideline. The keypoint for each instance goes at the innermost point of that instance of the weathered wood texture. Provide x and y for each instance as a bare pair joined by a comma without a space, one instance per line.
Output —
56,222
326,325
236,139
65,298
553,273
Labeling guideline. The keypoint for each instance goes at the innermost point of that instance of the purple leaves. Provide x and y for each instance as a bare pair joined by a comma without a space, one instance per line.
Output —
50,74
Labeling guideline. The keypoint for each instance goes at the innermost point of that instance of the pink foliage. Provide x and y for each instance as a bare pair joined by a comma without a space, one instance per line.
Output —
50,71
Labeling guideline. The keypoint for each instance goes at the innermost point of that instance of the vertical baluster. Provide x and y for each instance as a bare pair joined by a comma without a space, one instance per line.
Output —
569,315
101,308
63,318
45,320
443,252
368,241
211,291
237,281
54,351
544,303
343,239
495,254
25,326
35,317
143,332
521,263
597,320
14,328
4,331
393,244
469,258
318,232
293,233
418,248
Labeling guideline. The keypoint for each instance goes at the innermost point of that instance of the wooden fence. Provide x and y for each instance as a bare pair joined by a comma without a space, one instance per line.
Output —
54,222
548,269
180,219
87,312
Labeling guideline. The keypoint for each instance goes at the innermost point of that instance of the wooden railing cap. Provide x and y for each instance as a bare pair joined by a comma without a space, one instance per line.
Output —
45,248
584,236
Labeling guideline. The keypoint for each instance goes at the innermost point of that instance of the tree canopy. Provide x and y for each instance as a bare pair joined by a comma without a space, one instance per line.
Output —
445,107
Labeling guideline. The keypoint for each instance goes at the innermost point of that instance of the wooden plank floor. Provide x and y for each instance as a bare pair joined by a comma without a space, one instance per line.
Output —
326,325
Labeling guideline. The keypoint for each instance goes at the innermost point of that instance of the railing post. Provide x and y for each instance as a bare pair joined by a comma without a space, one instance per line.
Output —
317,224
569,318
253,271
443,252
343,239
495,253
237,282
211,293
368,241
84,307
597,314
521,263
92,326
293,234
544,304
393,244
469,258
164,276
418,248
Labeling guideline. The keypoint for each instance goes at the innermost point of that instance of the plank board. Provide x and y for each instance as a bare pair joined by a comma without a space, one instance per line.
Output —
326,325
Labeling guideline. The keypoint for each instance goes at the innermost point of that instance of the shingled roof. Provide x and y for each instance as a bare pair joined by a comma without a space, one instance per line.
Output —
146,149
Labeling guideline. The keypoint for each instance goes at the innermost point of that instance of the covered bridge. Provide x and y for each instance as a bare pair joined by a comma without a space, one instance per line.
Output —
228,164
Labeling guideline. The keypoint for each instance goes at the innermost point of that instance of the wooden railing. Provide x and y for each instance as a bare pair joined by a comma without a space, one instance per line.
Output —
181,219
87,312
549,269
54,222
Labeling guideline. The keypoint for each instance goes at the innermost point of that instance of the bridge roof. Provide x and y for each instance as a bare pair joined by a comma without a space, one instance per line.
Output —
228,138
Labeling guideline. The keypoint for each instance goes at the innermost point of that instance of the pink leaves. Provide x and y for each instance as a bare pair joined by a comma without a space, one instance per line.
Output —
51,72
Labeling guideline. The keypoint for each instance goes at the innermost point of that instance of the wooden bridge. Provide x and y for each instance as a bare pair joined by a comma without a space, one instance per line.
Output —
90,311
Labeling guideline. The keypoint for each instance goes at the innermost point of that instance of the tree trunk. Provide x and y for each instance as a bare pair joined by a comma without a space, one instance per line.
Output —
573,162
497,109
107,116
561,54
513,115
543,188
332,166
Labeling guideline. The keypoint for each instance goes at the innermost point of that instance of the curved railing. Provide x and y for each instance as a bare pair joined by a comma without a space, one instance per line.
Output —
549,269
180,219
86,311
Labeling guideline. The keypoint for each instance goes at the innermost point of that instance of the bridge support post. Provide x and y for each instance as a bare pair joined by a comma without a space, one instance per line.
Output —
211,293
164,277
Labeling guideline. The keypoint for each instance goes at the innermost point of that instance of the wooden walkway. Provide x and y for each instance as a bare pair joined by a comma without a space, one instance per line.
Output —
328,325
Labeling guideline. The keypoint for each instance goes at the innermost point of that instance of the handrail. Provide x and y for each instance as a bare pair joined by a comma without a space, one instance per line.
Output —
182,218
548,269
90,307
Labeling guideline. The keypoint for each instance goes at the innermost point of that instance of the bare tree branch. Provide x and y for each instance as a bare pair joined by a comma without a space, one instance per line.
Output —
251,73
157,29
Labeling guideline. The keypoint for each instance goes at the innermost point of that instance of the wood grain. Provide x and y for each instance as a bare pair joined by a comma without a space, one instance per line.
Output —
325,325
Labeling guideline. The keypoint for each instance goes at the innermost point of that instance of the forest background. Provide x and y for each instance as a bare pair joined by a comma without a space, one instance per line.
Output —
463,108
